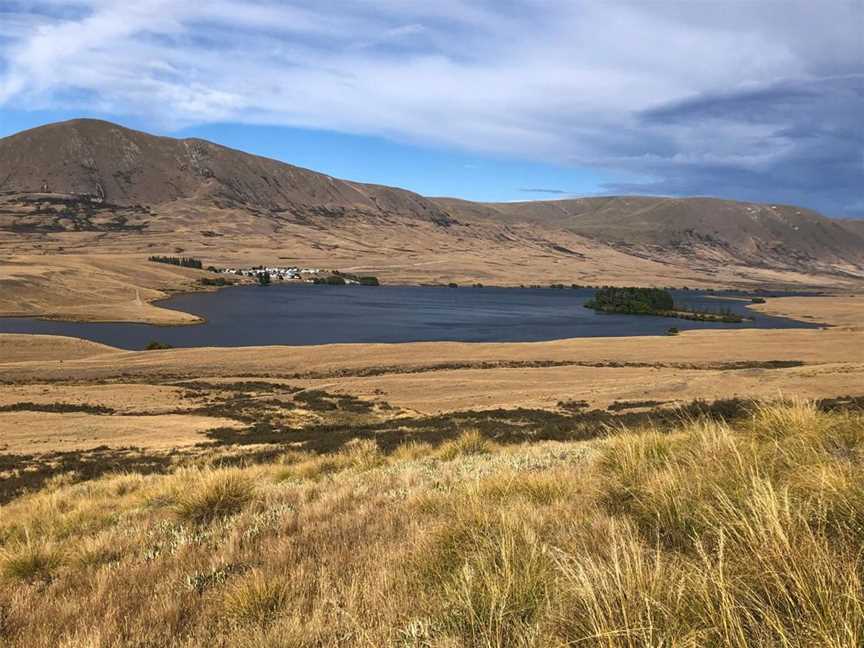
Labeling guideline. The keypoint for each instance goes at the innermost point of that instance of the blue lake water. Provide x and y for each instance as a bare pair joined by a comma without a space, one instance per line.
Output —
301,314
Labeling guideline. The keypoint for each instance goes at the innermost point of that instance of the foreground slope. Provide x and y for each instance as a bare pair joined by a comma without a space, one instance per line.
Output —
708,533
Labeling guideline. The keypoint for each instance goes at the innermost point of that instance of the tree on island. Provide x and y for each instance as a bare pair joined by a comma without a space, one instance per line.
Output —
263,278
654,301
632,300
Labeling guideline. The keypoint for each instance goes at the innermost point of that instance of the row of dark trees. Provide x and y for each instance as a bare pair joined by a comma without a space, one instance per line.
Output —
186,262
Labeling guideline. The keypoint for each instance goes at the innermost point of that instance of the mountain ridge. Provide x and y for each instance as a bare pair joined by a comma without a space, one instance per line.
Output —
123,166
134,181
752,230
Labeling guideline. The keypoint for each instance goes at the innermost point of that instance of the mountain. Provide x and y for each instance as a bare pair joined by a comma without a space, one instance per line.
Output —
86,185
757,233
856,226
119,166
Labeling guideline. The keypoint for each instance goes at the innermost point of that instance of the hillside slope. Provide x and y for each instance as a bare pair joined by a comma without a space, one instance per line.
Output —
757,233
120,166
86,187
856,226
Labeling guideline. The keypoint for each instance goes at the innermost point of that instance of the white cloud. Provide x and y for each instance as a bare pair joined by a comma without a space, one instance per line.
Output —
563,80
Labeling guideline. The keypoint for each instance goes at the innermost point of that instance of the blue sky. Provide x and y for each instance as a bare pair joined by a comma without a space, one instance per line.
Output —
481,99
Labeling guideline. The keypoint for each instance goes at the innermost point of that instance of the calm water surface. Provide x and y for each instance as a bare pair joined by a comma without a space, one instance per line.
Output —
301,314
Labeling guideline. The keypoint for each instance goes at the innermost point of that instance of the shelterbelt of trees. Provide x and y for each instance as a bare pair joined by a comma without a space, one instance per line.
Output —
185,262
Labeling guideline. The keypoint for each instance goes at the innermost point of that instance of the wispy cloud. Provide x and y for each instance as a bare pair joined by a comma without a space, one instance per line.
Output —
758,100
546,191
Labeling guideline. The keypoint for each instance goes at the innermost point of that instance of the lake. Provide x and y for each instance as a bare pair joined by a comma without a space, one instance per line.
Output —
301,314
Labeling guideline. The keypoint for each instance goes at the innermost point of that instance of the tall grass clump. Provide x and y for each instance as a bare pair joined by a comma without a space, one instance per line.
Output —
358,454
762,523
208,494
501,589
485,577
256,598
411,451
30,560
362,454
699,533
469,442
616,590
789,420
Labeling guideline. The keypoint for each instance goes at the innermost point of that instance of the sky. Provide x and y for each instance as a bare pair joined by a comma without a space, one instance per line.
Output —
482,99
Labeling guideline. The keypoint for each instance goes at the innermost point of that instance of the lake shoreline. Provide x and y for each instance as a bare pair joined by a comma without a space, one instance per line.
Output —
297,315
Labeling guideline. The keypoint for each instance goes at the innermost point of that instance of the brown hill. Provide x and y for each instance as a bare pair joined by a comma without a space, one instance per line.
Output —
756,233
119,166
88,186
856,226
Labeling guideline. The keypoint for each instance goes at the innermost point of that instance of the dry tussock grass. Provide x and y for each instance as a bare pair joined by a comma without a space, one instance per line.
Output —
706,535
470,442
205,495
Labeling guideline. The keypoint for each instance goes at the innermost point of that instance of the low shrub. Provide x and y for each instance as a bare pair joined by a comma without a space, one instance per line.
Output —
573,405
331,280
217,281
155,345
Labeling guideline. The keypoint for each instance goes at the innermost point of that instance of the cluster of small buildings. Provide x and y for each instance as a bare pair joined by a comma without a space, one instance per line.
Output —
275,272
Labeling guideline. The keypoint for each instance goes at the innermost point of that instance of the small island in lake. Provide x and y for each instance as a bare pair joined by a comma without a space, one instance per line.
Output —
653,301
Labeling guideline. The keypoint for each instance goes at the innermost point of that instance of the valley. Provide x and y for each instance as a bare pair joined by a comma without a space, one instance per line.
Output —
77,224
84,205
460,324
405,381
256,487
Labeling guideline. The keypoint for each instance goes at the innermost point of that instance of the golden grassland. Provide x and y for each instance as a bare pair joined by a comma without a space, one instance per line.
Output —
703,534
68,404
436,494
429,378
93,288
105,276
